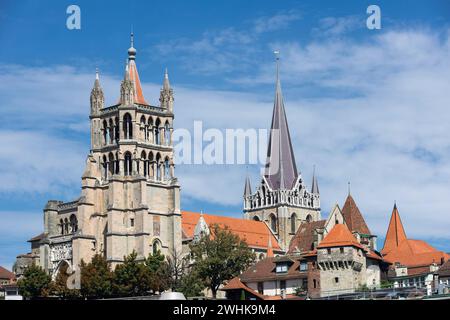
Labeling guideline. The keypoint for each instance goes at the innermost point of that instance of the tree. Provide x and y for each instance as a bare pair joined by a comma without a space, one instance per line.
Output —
96,278
190,284
220,256
178,267
59,287
159,273
131,278
35,283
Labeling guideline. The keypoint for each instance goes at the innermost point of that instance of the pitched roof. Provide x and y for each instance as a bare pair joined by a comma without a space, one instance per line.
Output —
339,236
264,270
444,270
353,217
254,233
134,75
6,274
303,239
281,170
395,233
236,284
37,238
398,248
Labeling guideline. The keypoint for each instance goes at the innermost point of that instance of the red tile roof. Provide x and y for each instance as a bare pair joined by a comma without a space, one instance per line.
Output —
303,239
339,236
264,270
353,217
395,233
6,274
408,252
254,233
134,76
236,284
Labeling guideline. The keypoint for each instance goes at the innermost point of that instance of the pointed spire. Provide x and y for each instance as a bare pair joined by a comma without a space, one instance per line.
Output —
315,185
281,170
247,188
166,83
97,96
395,233
132,74
353,217
126,75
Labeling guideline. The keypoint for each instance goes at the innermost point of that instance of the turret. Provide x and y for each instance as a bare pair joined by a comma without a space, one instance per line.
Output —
126,88
97,97
166,95
97,103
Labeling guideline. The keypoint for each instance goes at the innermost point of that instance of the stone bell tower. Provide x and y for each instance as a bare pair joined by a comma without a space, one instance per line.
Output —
136,193
282,199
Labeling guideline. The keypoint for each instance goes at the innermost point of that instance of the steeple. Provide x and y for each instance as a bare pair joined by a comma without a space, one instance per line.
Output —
315,185
281,170
353,217
247,188
126,88
395,233
132,73
166,95
97,96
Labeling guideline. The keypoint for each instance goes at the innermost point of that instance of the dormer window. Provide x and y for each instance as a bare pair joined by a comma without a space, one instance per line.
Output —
282,268
303,266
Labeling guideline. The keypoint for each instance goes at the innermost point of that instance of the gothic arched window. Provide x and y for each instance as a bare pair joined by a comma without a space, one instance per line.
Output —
156,246
166,169
61,224
105,167
73,223
127,126
151,171
167,133
158,167
273,222
105,132
128,164
111,163
156,135
308,218
293,222
116,129
144,162
256,218
66,226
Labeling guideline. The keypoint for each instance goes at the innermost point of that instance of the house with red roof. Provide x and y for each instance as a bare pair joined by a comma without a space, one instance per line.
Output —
414,262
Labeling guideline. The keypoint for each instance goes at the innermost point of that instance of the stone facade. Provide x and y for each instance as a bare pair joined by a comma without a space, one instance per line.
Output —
130,197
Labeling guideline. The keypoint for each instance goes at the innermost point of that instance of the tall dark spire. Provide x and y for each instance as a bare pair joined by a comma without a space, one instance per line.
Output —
281,171
315,185
247,188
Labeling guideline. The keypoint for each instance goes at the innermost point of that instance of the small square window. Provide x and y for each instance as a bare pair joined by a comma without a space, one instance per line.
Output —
329,251
336,280
303,266
341,250
132,222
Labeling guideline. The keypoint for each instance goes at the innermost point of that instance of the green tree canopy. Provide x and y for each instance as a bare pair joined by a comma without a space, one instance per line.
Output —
96,278
35,283
158,272
220,256
131,278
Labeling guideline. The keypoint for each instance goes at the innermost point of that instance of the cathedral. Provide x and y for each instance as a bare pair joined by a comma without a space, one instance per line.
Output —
130,195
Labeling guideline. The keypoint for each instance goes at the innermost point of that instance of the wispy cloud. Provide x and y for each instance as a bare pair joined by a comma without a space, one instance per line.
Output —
226,50
372,112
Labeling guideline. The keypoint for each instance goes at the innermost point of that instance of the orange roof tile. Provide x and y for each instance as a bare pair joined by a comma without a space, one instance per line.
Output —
339,236
395,233
353,217
408,252
6,274
255,233
236,284
134,76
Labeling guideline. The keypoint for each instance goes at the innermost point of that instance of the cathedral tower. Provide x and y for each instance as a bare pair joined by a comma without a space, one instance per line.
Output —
130,196
282,199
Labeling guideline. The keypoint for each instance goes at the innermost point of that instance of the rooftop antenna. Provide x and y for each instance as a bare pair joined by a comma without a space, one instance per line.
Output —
349,188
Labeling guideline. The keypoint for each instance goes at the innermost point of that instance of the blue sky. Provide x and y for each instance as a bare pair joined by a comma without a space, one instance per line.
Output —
369,106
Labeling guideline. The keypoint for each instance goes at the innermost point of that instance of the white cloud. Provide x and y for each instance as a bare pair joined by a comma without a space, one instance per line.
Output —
376,115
